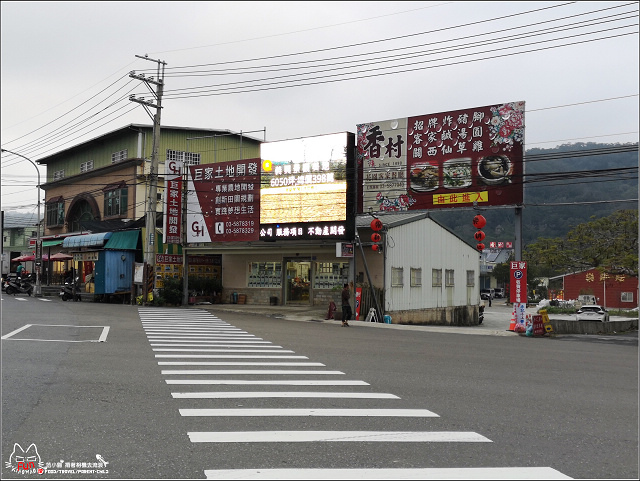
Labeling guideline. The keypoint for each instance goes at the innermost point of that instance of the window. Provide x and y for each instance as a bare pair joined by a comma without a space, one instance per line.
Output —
471,278
626,296
416,277
58,174
119,156
265,274
448,278
55,212
86,166
436,277
397,274
188,158
115,201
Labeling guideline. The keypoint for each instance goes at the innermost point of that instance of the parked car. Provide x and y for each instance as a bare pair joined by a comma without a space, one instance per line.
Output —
499,293
487,293
592,312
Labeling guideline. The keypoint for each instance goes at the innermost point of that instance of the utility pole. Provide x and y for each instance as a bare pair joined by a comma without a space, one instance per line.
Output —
150,220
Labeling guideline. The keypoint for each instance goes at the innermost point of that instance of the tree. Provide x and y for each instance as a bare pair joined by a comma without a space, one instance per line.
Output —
609,244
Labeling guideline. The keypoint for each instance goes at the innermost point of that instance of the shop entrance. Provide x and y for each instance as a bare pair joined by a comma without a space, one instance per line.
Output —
298,281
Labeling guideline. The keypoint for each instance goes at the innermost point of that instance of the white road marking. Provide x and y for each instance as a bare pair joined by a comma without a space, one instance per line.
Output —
235,382
287,412
26,326
230,347
337,436
282,394
514,473
162,349
43,299
231,363
218,341
19,298
226,356
250,371
220,337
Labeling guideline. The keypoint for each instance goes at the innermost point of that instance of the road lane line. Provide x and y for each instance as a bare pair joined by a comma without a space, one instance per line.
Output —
337,436
173,372
282,394
288,412
238,382
226,356
232,363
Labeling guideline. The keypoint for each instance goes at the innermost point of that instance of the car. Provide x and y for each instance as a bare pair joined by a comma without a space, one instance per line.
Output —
592,312
499,293
485,296
488,292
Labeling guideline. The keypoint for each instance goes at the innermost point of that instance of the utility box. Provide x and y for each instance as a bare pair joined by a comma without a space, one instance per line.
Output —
114,271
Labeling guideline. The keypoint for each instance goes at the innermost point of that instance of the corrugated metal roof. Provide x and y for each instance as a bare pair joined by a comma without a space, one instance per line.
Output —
391,219
89,240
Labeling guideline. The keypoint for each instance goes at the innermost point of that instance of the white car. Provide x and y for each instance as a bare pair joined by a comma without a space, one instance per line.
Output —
592,312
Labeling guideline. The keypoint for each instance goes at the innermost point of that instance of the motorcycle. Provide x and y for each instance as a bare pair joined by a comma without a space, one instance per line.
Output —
18,286
71,290
480,314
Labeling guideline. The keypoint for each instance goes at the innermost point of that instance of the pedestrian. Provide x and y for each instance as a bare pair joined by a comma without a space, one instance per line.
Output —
19,270
489,300
346,306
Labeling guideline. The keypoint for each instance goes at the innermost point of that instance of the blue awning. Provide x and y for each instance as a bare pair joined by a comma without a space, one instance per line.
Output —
87,240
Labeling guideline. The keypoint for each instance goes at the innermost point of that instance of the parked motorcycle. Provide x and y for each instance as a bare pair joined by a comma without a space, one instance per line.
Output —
71,290
18,286
480,314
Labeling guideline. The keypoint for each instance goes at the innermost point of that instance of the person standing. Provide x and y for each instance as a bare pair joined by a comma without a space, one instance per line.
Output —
346,305
19,270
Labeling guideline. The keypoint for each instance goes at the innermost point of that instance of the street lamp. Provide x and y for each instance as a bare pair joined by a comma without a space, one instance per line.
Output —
38,246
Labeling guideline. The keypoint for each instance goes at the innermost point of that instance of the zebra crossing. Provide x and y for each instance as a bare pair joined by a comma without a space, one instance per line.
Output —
195,348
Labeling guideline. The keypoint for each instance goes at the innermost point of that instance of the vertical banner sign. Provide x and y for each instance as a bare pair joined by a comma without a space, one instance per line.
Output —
172,225
223,201
518,284
443,160
358,302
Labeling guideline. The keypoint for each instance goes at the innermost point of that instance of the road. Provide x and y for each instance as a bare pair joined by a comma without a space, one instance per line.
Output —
310,396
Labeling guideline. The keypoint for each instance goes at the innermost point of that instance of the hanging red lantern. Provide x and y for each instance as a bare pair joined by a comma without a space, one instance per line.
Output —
375,237
376,247
479,236
479,221
376,224
480,246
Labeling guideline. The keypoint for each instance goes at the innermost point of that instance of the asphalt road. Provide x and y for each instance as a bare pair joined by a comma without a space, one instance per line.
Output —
543,407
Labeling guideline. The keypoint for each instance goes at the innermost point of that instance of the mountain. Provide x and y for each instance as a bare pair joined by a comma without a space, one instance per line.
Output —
563,187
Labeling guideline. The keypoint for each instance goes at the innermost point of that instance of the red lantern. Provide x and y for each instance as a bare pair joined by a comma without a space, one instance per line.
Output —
479,221
479,236
480,247
375,237
376,247
376,224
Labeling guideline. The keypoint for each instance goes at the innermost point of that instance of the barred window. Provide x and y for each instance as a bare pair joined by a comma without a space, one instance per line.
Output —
119,156
86,166
471,278
58,174
55,212
626,296
115,202
397,274
436,277
448,278
416,277
188,158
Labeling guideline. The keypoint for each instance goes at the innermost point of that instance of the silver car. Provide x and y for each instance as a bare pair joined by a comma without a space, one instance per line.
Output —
592,313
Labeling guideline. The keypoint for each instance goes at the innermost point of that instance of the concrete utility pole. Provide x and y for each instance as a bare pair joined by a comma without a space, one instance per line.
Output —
150,224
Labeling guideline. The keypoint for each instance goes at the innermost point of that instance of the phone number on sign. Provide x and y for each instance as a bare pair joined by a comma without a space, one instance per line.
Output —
239,223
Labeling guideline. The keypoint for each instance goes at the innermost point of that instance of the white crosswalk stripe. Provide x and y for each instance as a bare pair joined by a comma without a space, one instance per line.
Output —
185,332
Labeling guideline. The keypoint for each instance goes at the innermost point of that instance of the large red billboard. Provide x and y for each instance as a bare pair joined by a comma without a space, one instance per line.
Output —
442,160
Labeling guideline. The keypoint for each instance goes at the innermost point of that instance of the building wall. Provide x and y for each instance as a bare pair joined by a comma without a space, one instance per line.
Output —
608,289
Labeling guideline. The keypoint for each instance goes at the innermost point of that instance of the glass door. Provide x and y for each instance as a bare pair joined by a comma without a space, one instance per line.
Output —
297,289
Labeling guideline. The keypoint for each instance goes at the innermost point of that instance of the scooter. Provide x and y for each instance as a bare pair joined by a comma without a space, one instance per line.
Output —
480,314
18,286
70,290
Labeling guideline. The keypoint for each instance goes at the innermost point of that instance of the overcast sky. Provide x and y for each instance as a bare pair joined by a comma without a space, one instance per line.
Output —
65,69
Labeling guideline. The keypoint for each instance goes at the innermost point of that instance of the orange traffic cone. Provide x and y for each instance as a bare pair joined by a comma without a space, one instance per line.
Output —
512,325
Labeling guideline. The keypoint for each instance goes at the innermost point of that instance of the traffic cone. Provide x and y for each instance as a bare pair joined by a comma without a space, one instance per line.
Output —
512,325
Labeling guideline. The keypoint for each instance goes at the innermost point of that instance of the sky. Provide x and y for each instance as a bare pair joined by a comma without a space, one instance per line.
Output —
65,69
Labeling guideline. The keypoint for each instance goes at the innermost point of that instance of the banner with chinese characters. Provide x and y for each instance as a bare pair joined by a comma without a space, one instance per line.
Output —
443,160
172,221
306,188
518,284
223,201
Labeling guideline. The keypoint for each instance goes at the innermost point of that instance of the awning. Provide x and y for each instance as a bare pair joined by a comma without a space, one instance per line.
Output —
49,243
88,240
124,240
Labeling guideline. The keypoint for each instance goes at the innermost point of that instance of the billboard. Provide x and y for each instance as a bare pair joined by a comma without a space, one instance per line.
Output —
306,188
172,219
223,201
443,160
